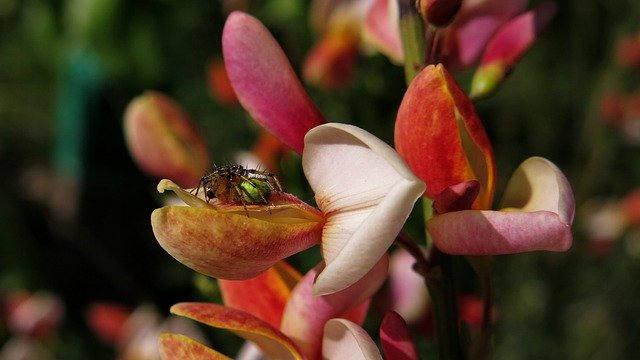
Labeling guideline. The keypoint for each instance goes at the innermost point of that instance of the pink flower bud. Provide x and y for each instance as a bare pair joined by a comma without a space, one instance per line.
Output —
163,141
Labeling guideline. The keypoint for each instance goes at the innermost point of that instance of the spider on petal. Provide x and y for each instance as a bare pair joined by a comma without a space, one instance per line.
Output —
236,184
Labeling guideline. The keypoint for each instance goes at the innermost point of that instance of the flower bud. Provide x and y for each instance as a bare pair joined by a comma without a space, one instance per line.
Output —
439,12
442,139
163,141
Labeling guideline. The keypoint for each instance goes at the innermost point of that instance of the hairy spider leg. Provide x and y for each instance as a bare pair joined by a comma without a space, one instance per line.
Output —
269,176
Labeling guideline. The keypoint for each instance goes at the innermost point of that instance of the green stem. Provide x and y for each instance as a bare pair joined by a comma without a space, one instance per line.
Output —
412,34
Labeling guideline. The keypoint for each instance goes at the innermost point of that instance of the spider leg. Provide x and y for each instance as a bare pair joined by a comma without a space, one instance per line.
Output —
275,180
244,204
269,177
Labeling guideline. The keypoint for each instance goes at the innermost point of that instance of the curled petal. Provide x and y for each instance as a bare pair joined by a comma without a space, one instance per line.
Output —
231,242
539,217
507,46
306,314
396,338
381,29
177,347
270,340
265,295
366,191
457,197
442,139
163,141
346,340
264,81
538,184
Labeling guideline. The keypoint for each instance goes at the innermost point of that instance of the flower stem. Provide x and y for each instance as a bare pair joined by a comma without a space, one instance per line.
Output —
437,270
412,34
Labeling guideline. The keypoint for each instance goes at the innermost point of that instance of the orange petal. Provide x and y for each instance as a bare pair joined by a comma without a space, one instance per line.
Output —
272,342
441,137
263,296
180,347
233,242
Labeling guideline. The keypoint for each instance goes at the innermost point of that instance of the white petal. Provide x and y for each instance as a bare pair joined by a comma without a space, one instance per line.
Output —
346,340
538,184
366,191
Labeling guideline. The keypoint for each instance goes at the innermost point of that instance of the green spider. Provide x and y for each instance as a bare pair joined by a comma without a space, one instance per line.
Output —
236,184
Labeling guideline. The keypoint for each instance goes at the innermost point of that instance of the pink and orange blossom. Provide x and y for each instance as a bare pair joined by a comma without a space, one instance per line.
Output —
364,192
306,318
444,142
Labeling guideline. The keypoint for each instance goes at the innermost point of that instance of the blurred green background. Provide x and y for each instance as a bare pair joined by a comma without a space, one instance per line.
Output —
74,209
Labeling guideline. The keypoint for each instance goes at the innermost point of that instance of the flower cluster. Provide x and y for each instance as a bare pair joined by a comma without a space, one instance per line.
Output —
364,192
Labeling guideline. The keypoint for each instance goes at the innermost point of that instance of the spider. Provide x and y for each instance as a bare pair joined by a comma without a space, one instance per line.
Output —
236,184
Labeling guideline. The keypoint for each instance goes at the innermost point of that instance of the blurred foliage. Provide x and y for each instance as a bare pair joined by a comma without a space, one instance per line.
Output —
85,233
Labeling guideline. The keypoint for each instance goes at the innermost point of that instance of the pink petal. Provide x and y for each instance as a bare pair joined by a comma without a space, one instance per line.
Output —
346,340
408,291
516,36
396,338
479,233
264,81
382,29
366,191
306,314
507,46
272,342
472,27
539,217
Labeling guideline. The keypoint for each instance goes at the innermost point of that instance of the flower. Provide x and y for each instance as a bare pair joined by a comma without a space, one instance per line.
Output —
363,188
440,135
364,192
306,328
537,212
495,32
507,46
